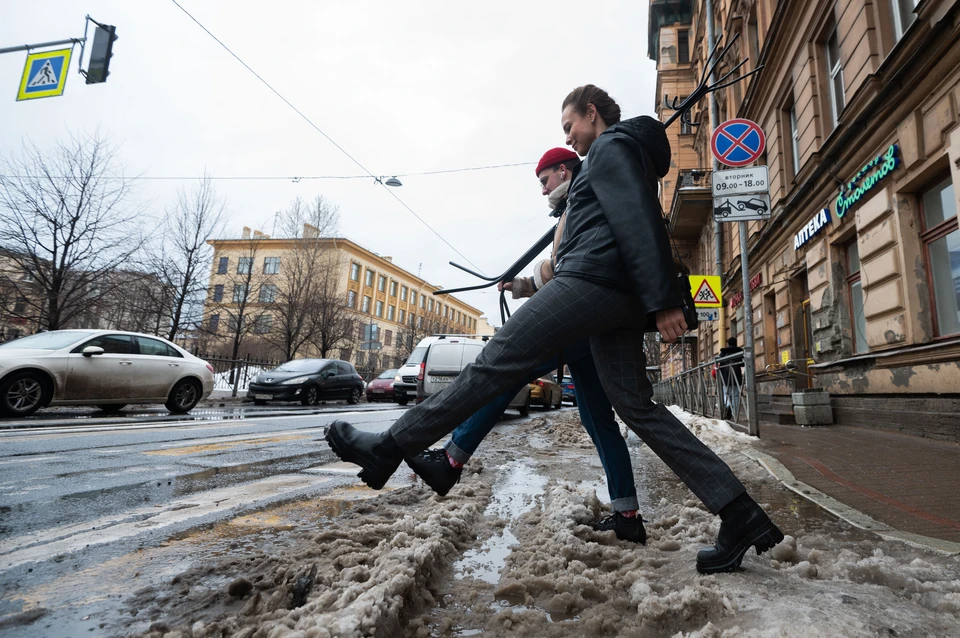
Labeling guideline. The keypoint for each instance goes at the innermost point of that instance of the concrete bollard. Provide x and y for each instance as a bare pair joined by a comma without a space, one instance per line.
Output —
812,407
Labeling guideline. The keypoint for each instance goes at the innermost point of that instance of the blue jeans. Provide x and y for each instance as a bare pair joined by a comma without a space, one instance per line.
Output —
596,414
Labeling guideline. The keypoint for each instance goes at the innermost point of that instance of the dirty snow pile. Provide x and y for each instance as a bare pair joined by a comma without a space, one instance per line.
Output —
356,578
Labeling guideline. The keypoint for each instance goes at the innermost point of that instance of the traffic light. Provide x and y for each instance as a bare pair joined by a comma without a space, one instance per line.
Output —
100,53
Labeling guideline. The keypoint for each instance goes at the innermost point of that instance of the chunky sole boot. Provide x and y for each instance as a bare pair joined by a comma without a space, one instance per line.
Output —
377,454
433,467
727,556
626,528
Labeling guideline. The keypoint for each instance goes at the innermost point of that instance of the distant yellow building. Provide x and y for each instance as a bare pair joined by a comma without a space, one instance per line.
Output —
372,310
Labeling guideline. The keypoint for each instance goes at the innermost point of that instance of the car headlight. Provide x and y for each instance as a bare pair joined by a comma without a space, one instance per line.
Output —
295,380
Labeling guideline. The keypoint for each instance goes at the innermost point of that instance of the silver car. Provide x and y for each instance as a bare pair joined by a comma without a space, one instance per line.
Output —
105,368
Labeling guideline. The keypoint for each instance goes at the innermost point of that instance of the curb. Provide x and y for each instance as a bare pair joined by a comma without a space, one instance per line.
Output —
845,512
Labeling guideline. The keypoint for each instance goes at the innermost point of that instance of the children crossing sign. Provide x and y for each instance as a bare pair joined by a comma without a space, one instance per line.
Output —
706,291
44,75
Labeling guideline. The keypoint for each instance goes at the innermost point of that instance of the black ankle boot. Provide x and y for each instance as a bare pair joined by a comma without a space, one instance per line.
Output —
626,528
378,455
743,525
434,468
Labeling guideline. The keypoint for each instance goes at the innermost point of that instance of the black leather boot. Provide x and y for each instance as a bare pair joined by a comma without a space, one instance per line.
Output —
435,470
743,525
626,528
378,454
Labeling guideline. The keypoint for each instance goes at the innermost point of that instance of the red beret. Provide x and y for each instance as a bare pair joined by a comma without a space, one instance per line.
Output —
555,156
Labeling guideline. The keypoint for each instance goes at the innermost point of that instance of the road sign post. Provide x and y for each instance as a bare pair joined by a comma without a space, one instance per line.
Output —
742,195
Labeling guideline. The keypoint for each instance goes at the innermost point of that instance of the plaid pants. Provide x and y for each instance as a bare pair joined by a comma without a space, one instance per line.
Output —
564,310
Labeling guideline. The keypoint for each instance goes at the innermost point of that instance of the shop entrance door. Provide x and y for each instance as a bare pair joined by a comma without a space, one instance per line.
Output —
802,332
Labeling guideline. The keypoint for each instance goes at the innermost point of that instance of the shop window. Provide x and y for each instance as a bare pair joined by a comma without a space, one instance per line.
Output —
942,239
903,15
858,319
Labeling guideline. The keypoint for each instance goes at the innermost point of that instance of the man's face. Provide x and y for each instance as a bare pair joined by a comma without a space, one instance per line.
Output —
551,177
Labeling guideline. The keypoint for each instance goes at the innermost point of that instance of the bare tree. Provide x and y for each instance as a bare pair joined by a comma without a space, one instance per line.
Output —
181,256
308,278
238,307
66,222
334,325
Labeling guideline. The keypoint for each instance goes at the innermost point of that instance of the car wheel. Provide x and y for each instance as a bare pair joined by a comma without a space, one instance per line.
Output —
403,401
259,402
22,394
184,396
310,396
111,408
355,396
524,409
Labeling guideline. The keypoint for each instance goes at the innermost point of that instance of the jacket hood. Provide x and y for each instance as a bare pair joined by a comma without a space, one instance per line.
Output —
650,134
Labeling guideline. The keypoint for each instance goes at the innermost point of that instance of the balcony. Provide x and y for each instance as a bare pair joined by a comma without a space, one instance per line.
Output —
692,204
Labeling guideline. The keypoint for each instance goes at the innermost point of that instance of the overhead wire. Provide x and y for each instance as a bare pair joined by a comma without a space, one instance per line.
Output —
328,138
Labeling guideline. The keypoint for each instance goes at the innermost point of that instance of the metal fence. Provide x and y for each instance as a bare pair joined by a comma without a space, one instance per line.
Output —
713,389
235,375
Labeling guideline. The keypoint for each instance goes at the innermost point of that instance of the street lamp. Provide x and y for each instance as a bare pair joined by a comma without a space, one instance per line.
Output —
389,181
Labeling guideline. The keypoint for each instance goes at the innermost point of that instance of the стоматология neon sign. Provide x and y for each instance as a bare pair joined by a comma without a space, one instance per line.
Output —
884,165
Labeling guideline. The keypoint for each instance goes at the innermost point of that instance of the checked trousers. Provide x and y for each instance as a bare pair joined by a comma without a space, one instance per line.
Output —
565,310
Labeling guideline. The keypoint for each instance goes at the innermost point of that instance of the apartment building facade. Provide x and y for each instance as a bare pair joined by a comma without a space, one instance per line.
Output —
856,277
383,309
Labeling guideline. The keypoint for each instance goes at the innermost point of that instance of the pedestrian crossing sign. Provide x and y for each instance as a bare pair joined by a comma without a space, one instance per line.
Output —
45,74
706,291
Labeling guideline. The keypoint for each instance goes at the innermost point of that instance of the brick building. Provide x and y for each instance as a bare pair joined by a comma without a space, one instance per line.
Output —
856,278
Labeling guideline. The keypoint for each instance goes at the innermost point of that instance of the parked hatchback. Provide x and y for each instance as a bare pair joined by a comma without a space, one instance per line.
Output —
308,381
105,368
381,388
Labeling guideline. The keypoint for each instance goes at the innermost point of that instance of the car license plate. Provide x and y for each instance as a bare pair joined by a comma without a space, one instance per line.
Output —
378,391
263,397
441,379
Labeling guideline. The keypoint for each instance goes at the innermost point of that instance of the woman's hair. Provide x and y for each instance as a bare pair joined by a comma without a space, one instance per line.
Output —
606,107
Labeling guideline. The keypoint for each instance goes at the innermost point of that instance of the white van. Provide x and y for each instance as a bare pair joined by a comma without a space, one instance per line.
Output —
436,362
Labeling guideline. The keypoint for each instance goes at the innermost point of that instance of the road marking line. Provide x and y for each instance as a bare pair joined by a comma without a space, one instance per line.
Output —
222,445
46,544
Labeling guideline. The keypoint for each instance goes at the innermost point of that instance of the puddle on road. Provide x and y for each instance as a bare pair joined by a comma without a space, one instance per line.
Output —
513,495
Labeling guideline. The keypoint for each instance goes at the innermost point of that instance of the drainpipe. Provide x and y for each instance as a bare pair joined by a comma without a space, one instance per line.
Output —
717,226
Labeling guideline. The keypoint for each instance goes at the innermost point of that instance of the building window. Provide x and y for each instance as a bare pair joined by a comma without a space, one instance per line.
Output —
218,293
235,324
20,306
412,319
223,265
391,312
214,323
271,265
855,287
942,239
379,309
245,266
393,289
388,337
263,324
413,297
382,284
794,140
351,299
403,316
423,302
268,293
683,46
903,15
368,280
420,322
835,70
366,304
354,271
345,354
431,305
240,292
403,293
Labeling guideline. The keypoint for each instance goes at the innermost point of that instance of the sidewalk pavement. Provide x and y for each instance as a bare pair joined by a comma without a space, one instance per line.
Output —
909,483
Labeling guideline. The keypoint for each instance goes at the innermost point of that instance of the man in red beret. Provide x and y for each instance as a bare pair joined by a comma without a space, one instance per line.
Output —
441,468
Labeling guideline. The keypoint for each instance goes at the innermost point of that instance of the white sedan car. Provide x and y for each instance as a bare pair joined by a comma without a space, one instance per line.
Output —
105,368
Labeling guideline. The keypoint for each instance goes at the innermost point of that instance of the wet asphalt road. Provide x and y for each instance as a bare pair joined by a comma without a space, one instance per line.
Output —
111,482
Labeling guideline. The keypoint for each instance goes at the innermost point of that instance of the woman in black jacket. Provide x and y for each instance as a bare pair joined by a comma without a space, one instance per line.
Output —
613,275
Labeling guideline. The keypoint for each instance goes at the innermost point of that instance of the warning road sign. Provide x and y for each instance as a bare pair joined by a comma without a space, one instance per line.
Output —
706,291
737,142
44,75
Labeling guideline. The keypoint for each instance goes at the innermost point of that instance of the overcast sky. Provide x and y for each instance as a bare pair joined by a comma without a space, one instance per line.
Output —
404,87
